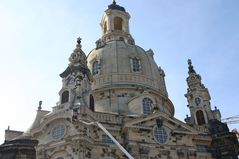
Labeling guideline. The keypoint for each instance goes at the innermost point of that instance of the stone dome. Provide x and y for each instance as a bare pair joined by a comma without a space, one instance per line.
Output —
124,73
116,68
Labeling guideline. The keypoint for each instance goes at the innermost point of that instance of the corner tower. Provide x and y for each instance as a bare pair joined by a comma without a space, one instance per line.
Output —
76,81
127,80
198,98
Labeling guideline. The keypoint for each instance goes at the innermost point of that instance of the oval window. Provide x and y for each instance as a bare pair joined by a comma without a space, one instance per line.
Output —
160,134
58,131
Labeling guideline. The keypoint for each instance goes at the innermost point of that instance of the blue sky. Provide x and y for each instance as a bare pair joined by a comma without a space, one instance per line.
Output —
37,37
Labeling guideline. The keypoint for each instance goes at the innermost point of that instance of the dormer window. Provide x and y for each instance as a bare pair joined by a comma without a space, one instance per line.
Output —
135,65
147,106
118,23
95,67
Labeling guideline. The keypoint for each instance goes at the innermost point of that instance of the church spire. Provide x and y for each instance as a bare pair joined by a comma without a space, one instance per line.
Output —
194,79
198,98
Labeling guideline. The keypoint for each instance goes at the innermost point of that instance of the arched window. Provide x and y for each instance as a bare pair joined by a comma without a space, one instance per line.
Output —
147,106
136,65
65,97
92,103
105,26
95,69
118,23
200,117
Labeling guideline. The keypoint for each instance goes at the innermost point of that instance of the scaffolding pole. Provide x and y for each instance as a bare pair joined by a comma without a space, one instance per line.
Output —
110,136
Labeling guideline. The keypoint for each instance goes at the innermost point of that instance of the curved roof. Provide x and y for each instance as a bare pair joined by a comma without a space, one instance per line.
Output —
114,6
116,60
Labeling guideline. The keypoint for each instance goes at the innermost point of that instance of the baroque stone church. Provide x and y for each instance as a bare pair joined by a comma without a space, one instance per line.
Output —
114,104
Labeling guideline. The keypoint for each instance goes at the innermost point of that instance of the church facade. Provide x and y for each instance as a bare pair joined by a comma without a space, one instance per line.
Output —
114,104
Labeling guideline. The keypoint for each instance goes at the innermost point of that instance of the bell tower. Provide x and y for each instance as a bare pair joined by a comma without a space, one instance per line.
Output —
198,98
76,81
115,25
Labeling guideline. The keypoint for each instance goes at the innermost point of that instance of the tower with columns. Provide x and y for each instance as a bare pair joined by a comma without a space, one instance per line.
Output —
199,104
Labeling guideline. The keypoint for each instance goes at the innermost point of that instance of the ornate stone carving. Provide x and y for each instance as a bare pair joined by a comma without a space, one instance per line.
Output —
78,65
77,76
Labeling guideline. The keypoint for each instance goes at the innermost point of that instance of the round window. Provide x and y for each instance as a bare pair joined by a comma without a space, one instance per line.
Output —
160,135
58,131
197,100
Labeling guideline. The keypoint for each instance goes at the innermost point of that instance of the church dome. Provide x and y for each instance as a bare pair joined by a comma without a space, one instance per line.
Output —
119,63
122,69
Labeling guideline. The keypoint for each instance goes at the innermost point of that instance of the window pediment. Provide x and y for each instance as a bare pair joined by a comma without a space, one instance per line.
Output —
150,121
